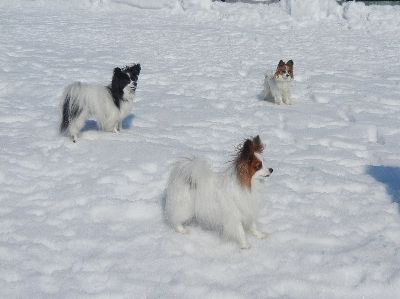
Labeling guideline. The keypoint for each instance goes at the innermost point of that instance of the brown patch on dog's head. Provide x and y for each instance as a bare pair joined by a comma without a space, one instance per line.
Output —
284,69
246,162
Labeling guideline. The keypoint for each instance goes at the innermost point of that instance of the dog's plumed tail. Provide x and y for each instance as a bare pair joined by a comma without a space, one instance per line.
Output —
65,115
71,108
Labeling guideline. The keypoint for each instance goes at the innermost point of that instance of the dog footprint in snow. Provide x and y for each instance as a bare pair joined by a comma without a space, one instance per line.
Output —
319,99
346,115
149,167
374,135
282,122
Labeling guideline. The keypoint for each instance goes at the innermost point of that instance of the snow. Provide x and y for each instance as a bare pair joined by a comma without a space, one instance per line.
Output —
85,220
311,9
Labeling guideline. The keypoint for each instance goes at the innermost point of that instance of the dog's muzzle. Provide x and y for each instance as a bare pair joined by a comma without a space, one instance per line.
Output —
270,172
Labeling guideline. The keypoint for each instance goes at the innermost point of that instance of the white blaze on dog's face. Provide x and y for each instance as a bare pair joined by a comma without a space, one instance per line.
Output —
261,172
133,72
284,71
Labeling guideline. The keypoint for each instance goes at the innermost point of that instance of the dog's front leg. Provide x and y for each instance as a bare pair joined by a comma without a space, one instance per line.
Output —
286,97
242,238
278,100
234,230
255,232
277,97
117,127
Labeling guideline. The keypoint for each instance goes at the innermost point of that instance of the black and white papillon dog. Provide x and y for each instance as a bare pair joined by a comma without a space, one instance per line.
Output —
109,105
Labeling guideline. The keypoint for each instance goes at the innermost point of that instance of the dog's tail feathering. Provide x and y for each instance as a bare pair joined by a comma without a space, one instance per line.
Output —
70,107
65,115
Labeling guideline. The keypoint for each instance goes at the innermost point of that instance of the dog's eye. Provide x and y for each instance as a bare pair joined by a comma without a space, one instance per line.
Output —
259,166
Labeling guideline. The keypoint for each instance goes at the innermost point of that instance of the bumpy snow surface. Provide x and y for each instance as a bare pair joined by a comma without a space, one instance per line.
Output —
85,220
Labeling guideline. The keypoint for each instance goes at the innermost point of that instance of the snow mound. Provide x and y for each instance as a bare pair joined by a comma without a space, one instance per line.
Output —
159,4
355,12
146,4
311,9
140,4
196,4
358,15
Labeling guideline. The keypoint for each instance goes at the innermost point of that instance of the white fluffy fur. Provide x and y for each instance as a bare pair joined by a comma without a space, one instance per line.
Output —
214,200
278,88
96,101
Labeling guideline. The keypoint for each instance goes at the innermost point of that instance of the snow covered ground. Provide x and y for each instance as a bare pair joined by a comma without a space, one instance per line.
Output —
85,220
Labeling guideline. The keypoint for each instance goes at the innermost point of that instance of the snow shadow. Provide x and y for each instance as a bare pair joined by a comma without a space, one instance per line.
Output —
261,97
388,175
91,125
127,122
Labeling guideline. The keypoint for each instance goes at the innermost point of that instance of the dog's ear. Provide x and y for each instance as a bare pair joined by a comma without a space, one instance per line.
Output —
281,63
290,62
258,146
135,69
117,71
247,150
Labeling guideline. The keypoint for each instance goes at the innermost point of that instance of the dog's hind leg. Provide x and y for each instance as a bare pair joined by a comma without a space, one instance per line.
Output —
77,125
267,90
179,206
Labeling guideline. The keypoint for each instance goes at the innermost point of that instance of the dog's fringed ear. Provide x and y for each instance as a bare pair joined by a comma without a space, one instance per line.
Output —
290,62
136,68
117,72
247,150
281,63
258,146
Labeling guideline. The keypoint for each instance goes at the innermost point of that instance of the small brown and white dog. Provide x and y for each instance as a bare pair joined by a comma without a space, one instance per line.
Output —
226,202
278,86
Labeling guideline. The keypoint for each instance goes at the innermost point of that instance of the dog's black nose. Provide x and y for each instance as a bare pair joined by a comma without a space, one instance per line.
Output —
271,170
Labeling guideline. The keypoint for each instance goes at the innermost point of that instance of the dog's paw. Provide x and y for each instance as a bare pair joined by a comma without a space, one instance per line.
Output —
245,246
260,235
182,230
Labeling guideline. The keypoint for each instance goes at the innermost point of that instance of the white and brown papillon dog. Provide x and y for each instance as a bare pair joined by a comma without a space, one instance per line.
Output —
227,202
278,86
109,105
